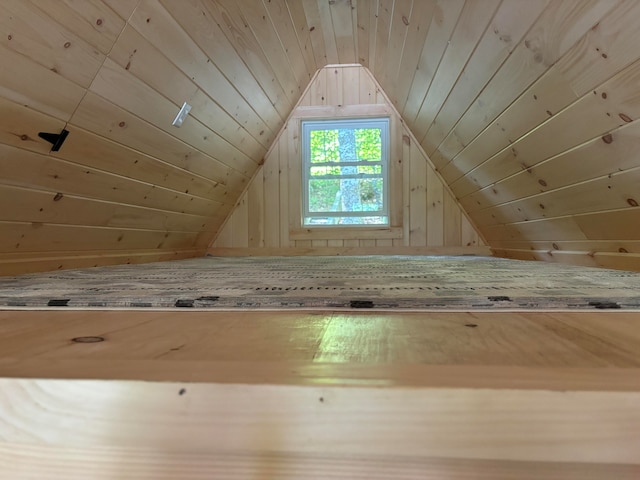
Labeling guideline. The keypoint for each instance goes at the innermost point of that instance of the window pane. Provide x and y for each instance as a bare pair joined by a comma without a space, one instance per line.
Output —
370,169
370,190
338,145
324,196
315,171
324,146
369,143
349,195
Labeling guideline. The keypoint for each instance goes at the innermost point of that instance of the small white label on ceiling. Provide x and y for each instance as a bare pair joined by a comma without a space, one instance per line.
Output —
182,114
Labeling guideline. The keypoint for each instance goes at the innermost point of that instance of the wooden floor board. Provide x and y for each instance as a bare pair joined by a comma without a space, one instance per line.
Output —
531,339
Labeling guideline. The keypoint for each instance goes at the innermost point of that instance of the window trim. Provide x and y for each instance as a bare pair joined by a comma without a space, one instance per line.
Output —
378,121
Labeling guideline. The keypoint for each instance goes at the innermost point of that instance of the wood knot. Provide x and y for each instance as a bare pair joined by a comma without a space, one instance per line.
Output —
67,45
608,138
555,246
90,339
121,124
58,197
405,20
604,95
623,250
625,118
632,202
542,182
99,22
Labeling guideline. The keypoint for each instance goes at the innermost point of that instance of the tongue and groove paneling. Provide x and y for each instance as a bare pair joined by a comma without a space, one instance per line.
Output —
425,217
499,94
127,186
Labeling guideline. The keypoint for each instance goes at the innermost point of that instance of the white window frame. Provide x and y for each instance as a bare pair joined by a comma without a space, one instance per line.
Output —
332,124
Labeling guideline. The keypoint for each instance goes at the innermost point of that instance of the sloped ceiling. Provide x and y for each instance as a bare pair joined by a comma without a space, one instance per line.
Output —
526,107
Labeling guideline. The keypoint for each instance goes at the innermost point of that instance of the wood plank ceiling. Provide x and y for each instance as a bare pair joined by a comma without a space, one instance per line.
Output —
526,107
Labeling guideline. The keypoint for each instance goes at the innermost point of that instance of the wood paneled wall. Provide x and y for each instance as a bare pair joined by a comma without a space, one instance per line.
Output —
127,186
425,218
544,159
527,109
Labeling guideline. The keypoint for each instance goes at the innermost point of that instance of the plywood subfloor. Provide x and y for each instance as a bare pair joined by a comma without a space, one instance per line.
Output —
387,283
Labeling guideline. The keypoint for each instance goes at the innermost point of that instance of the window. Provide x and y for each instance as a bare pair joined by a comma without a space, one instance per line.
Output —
345,172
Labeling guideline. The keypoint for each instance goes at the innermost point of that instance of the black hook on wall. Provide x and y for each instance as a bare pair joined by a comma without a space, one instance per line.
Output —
57,139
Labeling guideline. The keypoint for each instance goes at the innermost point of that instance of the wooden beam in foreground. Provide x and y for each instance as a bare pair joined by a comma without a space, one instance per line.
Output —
200,395
133,429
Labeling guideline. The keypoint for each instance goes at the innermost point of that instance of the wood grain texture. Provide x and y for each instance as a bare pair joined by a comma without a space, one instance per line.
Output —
36,462
499,94
520,395
407,425
117,72
336,94
529,340
30,262
528,114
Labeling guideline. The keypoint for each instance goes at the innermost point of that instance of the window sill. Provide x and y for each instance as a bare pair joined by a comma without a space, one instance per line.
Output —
345,233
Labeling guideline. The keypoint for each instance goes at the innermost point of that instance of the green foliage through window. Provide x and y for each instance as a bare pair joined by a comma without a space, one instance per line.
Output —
345,172
325,147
